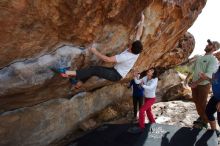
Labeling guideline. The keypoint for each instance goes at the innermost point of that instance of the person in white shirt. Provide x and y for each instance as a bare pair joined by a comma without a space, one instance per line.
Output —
124,62
149,83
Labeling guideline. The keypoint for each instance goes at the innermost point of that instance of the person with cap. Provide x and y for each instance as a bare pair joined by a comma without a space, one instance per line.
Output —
123,62
207,64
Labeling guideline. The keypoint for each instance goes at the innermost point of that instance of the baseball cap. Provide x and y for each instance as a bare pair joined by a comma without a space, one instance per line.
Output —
214,43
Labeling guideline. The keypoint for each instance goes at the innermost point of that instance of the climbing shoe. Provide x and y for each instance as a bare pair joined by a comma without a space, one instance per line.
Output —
61,71
200,125
199,120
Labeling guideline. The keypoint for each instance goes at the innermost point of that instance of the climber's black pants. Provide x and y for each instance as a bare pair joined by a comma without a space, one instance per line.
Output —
103,72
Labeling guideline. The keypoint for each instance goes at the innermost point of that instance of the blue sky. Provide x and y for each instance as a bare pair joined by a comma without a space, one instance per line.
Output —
207,26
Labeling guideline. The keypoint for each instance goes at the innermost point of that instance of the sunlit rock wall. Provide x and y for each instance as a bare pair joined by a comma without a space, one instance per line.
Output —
36,35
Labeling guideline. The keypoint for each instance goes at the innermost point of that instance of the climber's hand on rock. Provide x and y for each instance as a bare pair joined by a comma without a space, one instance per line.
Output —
142,17
92,49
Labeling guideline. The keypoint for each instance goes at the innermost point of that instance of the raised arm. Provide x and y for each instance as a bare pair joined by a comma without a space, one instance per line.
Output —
112,59
140,26
101,56
137,80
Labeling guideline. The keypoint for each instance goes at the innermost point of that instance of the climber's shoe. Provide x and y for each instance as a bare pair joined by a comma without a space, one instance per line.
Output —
61,71
198,120
76,84
200,125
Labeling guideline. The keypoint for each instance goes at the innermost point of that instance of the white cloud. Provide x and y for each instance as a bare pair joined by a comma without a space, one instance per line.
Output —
207,26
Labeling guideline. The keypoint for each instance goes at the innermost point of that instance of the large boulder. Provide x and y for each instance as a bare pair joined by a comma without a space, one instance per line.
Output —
36,35
44,123
178,92
171,86
167,83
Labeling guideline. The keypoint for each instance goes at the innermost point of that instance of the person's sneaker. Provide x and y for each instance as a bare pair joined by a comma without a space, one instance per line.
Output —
198,120
200,125
217,133
61,71
135,130
205,125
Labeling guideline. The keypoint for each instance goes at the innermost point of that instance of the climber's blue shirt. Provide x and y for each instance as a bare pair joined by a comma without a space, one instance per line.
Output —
138,91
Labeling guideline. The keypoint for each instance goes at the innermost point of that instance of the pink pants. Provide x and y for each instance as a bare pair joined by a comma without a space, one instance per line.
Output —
146,107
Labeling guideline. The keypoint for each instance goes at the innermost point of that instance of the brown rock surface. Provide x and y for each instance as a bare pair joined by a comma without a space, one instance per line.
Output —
41,124
33,34
167,80
171,86
177,92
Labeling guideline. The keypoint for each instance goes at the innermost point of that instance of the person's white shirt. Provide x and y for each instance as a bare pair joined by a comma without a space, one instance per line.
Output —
149,86
125,61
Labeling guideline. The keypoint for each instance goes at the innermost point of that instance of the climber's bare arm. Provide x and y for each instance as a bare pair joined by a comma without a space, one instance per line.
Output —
140,26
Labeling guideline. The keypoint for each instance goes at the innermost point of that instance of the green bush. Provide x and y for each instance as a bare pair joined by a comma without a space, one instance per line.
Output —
182,69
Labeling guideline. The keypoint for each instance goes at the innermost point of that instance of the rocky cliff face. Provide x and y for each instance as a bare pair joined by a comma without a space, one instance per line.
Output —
36,35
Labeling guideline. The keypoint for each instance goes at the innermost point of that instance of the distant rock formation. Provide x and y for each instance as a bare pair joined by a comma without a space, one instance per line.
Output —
171,87
178,92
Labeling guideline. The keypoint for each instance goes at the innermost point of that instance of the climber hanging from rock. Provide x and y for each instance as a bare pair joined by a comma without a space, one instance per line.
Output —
124,62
